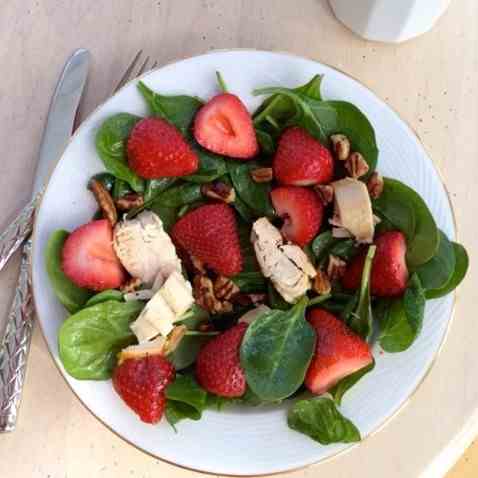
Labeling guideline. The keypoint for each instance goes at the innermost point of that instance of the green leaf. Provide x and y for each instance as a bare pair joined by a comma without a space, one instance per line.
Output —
221,82
437,272
70,295
312,88
120,189
89,340
319,299
250,282
276,351
168,215
461,267
177,411
177,109
186,389
276,301
110,144
265,141
344,248
154,187
361,320
320,420
424,243
103,296
322,243
178,196
403,320
211,166
338,391
255,195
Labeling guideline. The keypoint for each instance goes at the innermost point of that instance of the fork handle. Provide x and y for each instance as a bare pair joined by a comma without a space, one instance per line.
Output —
17,231
16,344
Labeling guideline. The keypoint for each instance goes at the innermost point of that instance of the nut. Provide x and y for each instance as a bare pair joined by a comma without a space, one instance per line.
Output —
341,146
174,338
356,165
219,191
203,290
131,285
325,193
129,201
375,185
322,283
262,175
336,268
224,288
104,200
198,265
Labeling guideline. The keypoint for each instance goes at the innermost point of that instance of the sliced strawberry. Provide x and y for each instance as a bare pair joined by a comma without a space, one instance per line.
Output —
223,125
338,352
141,383
156,149
301,210
218,367
389,274
209,233
300,159
88,258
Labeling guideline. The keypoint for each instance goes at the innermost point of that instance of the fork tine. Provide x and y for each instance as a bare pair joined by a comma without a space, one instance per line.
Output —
143,67
127,73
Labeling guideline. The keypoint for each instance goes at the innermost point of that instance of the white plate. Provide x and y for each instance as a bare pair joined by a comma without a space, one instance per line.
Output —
244,441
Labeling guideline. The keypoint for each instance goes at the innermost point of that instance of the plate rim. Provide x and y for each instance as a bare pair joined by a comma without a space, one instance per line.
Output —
437,354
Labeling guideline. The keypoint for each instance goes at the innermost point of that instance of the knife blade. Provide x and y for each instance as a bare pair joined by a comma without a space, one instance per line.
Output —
16,342
60,121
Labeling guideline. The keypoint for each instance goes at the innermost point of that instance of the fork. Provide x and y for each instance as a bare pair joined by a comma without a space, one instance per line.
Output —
16,342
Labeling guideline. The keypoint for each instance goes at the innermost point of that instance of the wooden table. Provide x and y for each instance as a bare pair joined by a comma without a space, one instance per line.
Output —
430,81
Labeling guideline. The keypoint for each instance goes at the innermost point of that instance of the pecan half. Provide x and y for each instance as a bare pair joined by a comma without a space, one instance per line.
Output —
219,191
375,185
203,290
325,193
341,146
262,175
322,283
131,285
336,268
129,201
104,200
356,166
224,288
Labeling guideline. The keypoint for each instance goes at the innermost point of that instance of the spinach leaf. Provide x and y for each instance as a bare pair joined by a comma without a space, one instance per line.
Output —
325,244
69,294
178,196
361,320
168,215
177,411
265,141
103,296
424,243
344,248
312,88
461,267
89,340
320,420
221,82
154,187
339,390
392,208
110,144
403,320
255,195
436,273
177,109
120,189
247,249
211,166
250,282
276,351
322,243
319,299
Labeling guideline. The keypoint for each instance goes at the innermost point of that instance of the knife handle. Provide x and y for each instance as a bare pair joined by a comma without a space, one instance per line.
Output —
17,231
16,344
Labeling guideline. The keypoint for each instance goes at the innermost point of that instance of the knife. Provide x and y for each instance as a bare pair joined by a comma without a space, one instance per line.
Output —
16,342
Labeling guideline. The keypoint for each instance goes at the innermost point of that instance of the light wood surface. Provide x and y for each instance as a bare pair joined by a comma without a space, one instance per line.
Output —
430,81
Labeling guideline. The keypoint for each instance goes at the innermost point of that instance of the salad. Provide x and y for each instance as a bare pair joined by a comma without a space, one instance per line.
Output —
245,259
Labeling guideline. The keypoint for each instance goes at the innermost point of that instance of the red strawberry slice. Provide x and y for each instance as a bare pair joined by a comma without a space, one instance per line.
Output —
300,160
301,210
338,352
141,384
209,233
389,275
223,125
88,258
156,149
218,367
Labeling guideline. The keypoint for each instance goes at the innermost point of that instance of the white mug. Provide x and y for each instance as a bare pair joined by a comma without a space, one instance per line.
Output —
389,20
